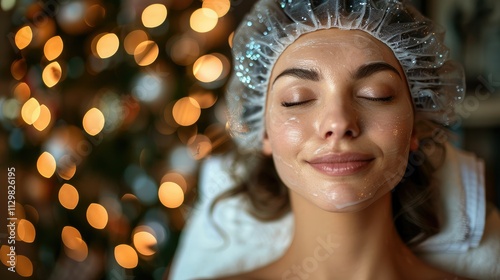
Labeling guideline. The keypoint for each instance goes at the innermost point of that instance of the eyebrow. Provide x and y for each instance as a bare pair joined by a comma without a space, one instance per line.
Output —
362,72
372,68
304,74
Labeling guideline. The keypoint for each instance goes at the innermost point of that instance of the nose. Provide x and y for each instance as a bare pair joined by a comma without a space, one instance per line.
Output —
339,120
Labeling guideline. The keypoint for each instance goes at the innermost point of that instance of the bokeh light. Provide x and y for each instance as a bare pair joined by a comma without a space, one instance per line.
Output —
205,98
107,45
7,5
43,119
208,68
30,111
171,195
79,252
53,48
185,51
180,159
100,102
26,231
144,241
51,74
71,17
71,237
133,39
68,196
93,121
75,247
46,165
154,15
186,132
221,7
230,39
22,92
23,37
10,108
94,14
203,20
126,256
146,53
200,146
97,216
186,111
176,178
66,167
24,267
18,69
145,188
4,257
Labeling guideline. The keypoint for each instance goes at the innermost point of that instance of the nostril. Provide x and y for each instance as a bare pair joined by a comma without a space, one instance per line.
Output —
348,133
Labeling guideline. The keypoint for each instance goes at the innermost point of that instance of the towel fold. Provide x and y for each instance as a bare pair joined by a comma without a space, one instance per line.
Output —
462,200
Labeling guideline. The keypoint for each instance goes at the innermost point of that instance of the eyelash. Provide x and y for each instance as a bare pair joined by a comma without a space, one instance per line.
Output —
380,99
376,99
291,104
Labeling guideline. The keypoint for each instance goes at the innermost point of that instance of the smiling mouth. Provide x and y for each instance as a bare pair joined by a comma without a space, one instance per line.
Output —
341,164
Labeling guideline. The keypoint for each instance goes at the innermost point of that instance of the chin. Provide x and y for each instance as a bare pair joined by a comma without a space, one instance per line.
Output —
348,202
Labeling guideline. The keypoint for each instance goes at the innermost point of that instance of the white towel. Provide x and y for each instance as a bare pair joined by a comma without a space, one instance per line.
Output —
462,201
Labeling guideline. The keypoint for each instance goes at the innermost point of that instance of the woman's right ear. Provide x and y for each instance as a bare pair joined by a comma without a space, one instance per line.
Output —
266,145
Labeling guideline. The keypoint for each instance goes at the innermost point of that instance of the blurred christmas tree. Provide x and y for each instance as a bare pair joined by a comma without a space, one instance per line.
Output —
106,109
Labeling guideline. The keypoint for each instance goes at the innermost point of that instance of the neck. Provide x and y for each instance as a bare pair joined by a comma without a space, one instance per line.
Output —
359,245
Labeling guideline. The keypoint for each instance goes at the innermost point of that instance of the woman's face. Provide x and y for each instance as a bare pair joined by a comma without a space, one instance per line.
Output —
339,119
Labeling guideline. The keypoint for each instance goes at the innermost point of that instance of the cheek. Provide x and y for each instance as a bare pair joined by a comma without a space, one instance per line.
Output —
285,132
393,128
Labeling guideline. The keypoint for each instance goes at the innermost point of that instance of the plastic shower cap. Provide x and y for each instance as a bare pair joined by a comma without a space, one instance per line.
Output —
436,83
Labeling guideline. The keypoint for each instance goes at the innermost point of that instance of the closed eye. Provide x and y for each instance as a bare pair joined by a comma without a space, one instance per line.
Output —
379,99
291,104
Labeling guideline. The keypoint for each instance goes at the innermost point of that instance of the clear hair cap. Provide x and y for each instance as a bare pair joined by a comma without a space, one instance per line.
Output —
436,83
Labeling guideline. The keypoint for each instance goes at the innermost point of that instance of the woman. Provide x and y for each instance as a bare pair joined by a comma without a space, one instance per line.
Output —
339,126
334,106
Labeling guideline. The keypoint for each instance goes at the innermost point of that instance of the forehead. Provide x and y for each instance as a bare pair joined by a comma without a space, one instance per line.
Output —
335,45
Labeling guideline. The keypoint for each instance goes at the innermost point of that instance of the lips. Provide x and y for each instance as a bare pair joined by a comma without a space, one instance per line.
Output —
341,164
